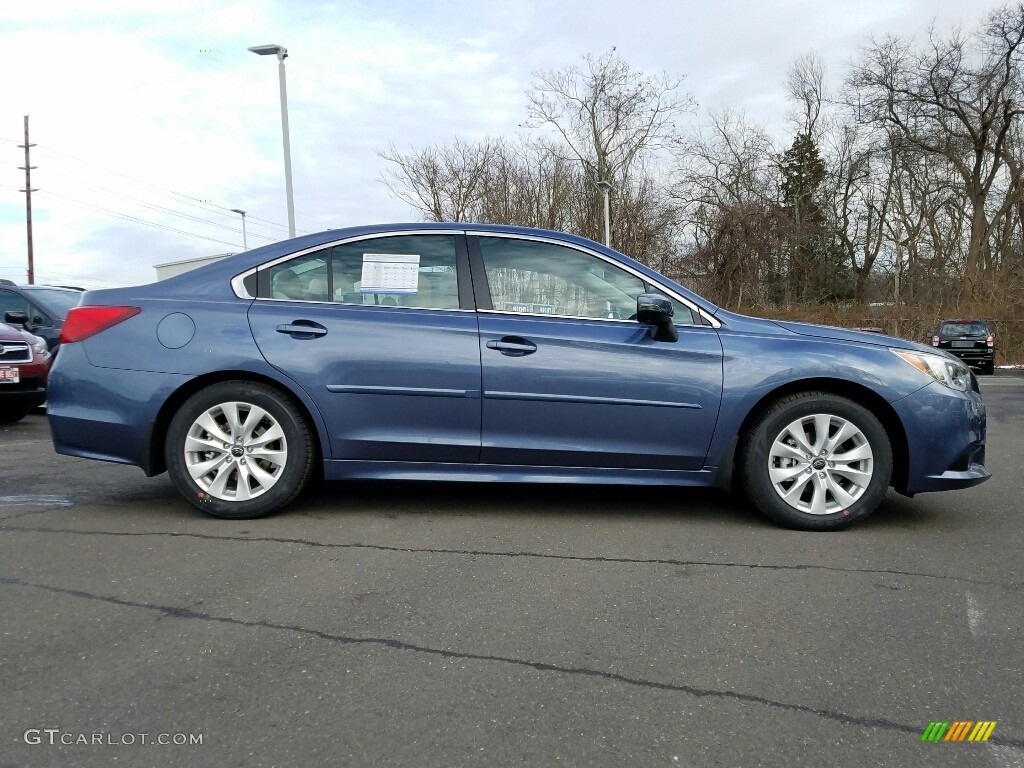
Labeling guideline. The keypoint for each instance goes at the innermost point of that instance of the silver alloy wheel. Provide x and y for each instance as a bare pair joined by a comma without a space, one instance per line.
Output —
235,451
820,464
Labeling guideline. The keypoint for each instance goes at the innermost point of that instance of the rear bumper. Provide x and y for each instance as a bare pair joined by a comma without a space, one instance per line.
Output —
973,356
104,413
946,439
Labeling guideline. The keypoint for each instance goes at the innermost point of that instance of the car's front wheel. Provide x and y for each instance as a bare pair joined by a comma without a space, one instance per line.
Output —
816,461
239,450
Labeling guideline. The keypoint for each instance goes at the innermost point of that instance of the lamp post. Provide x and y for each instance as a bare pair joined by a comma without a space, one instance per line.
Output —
245,241
282,53
606,187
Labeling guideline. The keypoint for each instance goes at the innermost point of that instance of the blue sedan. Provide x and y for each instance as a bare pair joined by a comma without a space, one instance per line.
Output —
492,353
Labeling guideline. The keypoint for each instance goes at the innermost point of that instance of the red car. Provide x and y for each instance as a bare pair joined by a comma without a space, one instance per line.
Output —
24,366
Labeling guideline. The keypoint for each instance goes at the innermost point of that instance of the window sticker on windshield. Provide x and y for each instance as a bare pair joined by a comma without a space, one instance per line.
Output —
390,273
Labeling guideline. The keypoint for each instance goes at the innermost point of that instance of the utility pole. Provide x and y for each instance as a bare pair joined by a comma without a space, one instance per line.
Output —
28,202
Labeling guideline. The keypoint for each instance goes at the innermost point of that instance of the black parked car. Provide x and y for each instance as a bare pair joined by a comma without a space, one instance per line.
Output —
40,309
973,341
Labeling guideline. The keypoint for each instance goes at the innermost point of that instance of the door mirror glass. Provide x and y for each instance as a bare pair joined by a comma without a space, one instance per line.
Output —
656,310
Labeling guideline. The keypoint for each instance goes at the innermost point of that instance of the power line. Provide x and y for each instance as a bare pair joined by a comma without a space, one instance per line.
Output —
137,220
266,222
171,194
153,206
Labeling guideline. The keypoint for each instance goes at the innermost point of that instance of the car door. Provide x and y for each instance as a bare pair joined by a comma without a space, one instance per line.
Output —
570,380
374,330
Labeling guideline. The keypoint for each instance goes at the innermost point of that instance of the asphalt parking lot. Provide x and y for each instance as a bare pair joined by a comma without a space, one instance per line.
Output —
455,625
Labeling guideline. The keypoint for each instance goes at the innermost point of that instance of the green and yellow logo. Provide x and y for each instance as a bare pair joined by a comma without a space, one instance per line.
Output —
958,730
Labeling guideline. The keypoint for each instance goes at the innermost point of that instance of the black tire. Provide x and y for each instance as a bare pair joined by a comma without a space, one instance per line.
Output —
756,454
289,475
12,414
989,368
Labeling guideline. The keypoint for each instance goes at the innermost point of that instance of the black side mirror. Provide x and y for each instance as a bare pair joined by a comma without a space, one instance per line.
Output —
16,317
655,310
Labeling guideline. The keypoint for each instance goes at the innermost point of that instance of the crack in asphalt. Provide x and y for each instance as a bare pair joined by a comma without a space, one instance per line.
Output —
33,512
399,645
539,555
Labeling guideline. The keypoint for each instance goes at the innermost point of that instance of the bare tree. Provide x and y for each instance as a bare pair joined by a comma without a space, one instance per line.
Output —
857,194
607,115
805,87
938,103
441,182
726,186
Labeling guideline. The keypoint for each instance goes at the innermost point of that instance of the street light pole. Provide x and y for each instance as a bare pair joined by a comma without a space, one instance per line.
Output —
606,187
245,241
282,53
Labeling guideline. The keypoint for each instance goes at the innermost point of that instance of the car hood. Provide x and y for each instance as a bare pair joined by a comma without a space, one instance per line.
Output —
11,333
846,334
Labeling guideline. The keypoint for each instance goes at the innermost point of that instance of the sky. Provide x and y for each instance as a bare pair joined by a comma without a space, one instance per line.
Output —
152,120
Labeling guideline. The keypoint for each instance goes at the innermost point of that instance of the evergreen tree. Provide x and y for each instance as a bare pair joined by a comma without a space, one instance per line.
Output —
817,269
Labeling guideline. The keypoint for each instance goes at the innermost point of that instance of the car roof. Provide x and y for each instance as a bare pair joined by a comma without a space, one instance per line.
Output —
38,287
213,280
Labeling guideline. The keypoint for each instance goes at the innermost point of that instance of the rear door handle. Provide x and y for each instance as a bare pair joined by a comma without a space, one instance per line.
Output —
513,346
302,329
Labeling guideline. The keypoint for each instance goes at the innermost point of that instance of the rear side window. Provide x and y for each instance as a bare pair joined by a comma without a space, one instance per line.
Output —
402,271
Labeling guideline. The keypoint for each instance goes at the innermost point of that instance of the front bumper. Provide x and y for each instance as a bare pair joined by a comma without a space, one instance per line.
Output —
945,439
30,391
26,396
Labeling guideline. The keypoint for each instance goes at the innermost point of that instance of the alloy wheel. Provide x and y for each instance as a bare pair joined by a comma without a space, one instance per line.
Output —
235,451
820,464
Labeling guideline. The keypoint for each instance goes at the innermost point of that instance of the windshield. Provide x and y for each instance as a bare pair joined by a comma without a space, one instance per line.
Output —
56,301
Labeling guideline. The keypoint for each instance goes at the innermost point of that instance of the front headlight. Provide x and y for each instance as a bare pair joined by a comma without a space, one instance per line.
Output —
952,373
39,345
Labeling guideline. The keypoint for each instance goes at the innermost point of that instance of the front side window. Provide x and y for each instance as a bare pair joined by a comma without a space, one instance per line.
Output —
403,271
542,278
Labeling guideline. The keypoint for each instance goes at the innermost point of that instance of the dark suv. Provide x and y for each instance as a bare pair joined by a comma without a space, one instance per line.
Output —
40,309
973,341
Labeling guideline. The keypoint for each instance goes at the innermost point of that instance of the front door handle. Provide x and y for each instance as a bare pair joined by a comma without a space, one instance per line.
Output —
302,329
513,346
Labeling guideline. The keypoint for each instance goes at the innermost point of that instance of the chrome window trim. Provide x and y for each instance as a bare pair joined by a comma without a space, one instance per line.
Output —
368,306
578,317
626,268
238,281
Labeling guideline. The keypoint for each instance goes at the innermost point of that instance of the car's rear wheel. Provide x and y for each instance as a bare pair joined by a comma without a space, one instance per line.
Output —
989,367
816,462
239,450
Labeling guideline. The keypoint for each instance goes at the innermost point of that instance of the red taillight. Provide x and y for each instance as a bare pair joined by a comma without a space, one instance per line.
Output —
990,341
935,341
83,322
